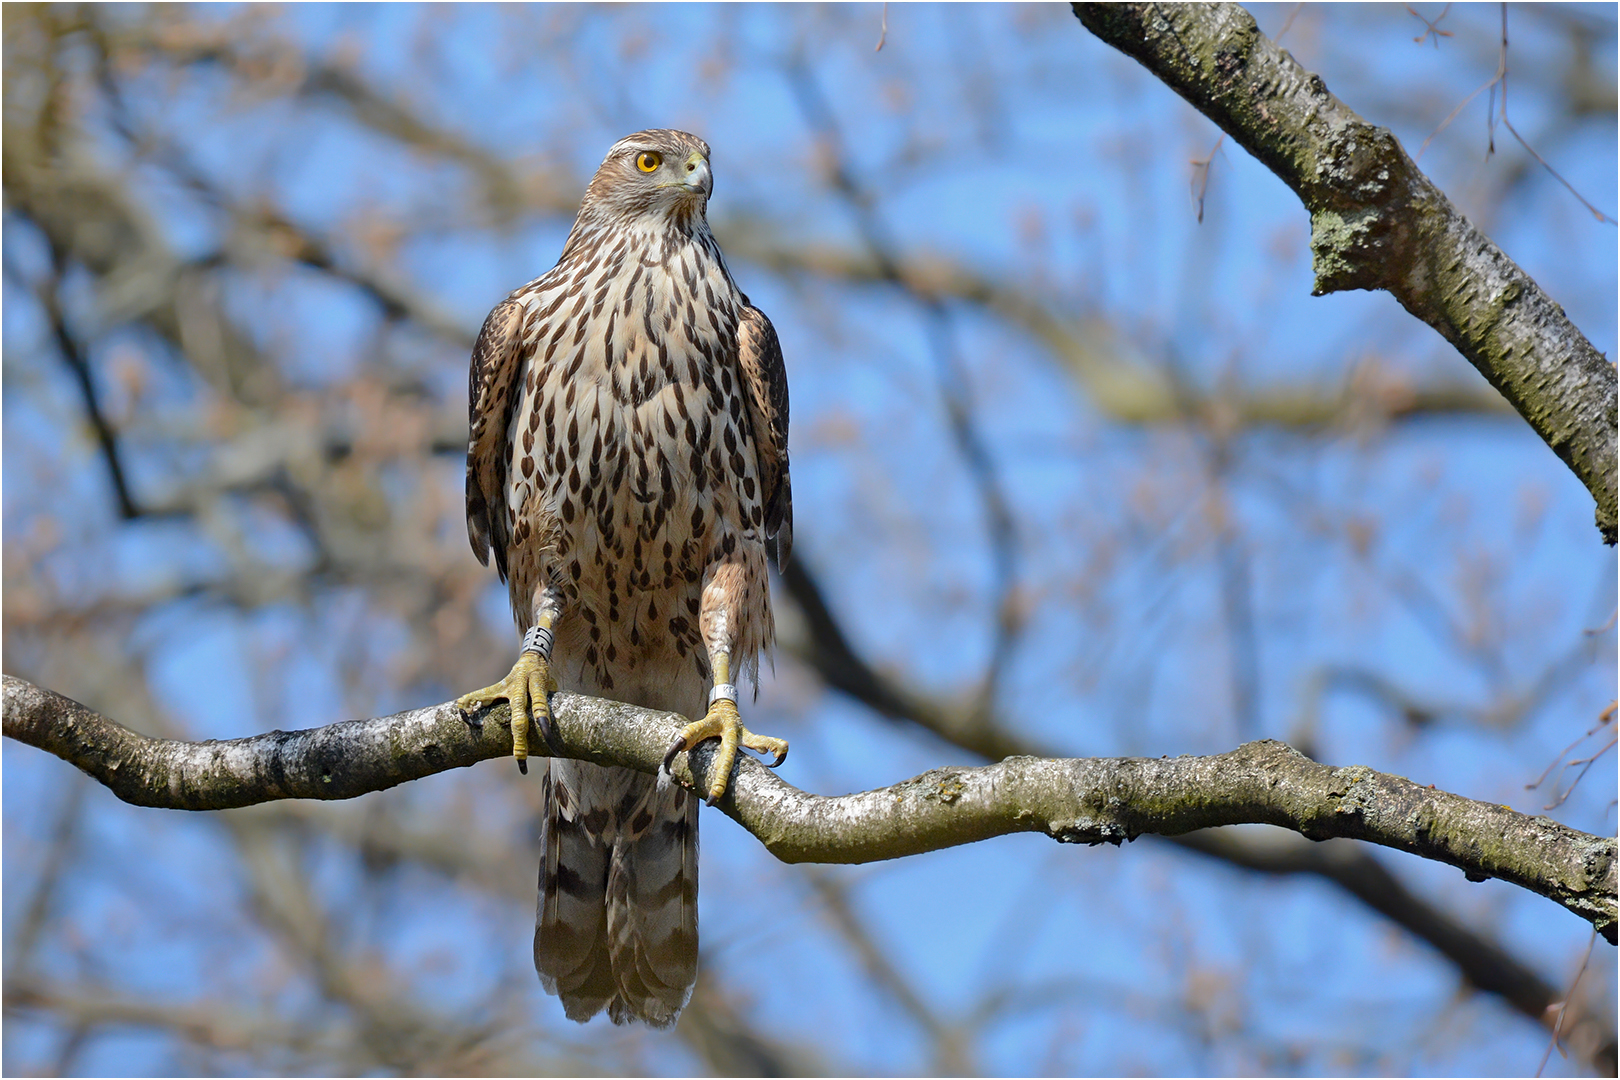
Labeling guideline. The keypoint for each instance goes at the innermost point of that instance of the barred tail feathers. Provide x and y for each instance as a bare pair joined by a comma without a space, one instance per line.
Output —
571,951
652,908
617,921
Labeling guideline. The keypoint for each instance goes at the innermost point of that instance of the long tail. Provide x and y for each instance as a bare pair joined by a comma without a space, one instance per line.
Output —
616,925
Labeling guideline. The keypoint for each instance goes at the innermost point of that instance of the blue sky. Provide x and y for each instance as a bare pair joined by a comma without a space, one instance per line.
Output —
1453,557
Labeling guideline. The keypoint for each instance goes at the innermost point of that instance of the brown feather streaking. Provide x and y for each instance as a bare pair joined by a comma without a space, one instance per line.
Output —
627,465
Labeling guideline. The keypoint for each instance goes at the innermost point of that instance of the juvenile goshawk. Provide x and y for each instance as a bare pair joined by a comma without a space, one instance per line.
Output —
628,465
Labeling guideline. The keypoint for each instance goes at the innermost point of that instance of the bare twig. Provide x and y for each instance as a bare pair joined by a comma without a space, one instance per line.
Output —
1605,720
1563,1007
1431,27
1502,82
1497,84
1200,176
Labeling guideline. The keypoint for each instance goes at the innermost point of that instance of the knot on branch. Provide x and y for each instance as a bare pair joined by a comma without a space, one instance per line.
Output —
1358,164
1090,831
1232,58
1350,793
1360,187
936,785
1350,249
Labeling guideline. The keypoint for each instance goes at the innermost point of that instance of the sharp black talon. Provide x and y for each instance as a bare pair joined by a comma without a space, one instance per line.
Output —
669,755
474,722
523,767
544,727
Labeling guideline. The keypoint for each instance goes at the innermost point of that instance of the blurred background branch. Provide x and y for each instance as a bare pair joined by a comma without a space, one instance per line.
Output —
1076,475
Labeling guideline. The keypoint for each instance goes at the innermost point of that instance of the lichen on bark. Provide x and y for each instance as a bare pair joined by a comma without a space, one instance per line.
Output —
1378,223
1073,800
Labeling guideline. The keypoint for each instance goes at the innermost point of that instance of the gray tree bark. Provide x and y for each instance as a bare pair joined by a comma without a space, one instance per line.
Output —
1378,223
1072,800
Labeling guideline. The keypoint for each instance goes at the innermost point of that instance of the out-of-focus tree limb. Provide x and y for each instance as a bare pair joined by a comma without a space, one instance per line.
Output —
78,363
827,649
1479,958
1377,222
1000,523
1483,963
212,1025
952,1042
222,1027
712,1024
1122,387
1073,800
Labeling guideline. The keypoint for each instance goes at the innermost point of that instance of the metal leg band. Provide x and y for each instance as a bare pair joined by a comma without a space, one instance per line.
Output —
538,640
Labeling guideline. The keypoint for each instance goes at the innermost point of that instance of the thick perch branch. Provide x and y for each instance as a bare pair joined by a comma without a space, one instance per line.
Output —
1073,800
1378,223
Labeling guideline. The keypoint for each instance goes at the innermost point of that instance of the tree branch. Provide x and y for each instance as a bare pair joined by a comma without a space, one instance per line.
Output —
1072,800
1474,952
1378,223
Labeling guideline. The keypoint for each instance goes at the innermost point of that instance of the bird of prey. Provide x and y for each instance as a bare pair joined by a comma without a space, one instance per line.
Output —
628,466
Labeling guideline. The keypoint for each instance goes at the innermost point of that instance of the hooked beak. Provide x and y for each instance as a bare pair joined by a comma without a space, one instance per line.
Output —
695,175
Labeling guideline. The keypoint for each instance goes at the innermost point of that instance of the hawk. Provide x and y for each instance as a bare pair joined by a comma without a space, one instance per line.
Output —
627,465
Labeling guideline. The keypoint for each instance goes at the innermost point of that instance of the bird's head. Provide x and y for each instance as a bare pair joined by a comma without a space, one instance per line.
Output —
660,174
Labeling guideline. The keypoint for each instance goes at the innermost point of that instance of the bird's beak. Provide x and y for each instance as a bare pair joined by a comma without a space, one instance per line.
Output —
695,175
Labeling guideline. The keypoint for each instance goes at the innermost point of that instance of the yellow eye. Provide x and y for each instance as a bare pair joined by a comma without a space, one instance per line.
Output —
649,161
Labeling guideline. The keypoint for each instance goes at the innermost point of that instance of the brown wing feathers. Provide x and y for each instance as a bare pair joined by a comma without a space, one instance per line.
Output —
760,356
490,400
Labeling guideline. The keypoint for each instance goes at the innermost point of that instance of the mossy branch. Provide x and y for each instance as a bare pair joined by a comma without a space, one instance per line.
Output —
1378,223
1072,800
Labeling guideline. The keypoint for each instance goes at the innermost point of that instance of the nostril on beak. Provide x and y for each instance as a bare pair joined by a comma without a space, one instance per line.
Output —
690,167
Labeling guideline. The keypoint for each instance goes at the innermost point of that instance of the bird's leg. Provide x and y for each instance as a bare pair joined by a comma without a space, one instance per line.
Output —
526,686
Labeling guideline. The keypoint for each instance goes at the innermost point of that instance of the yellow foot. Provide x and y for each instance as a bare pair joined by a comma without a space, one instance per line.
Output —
526,687
724,723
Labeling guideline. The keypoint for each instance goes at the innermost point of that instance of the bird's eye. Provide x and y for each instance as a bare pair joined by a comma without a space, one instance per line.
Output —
649,161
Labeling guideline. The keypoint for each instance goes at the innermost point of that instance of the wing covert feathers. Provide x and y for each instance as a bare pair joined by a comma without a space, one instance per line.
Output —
765,375
496,360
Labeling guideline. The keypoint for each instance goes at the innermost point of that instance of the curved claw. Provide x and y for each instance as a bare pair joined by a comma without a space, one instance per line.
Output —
674,748
764,744
723,723
526,686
